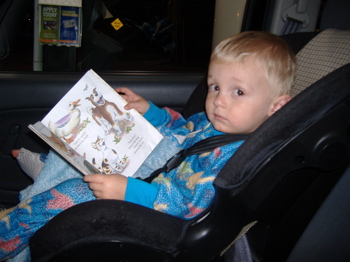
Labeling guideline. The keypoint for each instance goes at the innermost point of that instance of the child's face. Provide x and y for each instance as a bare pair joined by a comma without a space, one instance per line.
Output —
239,98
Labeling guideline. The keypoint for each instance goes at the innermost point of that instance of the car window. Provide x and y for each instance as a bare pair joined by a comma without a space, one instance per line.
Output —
133,35
156,35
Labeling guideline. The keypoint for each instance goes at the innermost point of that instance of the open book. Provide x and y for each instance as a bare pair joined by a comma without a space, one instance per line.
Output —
91,129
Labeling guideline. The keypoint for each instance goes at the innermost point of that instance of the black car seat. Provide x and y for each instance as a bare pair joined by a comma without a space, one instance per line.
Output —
322,55
280,174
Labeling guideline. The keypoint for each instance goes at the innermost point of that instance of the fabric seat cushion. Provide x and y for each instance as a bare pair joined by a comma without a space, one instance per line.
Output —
328,51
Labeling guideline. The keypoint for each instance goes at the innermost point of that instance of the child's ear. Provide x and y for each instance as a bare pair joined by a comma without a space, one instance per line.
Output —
279,102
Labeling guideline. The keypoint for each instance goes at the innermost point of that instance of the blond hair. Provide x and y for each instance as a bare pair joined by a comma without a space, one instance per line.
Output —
273,53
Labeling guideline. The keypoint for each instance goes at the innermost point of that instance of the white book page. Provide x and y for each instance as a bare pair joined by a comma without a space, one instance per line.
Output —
91,118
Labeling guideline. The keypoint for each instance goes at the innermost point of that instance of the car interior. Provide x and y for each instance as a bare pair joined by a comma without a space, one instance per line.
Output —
282,197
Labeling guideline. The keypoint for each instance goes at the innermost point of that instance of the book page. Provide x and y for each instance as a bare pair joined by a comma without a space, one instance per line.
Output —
63,149
92,120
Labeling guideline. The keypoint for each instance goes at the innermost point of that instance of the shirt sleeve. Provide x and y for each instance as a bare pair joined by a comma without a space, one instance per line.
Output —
140,192
172,124
155,115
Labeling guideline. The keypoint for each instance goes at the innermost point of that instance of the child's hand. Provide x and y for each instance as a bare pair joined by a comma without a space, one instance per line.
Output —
107,186
134,100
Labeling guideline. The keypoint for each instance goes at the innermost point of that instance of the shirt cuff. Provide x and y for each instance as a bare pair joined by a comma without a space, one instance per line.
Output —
140,192
155,115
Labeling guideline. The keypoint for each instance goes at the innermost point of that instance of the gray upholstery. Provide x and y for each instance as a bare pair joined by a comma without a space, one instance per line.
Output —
326,52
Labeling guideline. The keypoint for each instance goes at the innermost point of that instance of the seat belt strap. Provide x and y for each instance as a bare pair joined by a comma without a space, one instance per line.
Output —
205,145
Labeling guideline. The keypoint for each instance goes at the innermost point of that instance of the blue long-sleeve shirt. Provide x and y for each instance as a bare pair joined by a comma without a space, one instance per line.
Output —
187,190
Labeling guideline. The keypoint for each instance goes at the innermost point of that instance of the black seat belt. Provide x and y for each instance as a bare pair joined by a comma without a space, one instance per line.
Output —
200,147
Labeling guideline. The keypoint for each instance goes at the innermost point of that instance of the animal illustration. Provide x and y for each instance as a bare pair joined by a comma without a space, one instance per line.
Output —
106,114
104,168
111,162
67,124
58,142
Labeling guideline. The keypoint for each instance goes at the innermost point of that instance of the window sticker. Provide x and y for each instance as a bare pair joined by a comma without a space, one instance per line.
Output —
117,24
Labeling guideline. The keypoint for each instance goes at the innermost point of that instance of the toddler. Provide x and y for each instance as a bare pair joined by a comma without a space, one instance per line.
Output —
249,78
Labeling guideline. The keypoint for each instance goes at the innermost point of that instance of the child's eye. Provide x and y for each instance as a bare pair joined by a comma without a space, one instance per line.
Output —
214,87
238,92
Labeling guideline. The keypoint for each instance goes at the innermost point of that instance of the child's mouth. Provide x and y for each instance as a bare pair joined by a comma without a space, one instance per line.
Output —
219,117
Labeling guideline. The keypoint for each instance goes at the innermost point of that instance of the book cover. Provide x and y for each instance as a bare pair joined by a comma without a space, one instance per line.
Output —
91,129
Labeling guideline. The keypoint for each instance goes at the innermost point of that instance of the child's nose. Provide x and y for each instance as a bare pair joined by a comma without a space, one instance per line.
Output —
220,100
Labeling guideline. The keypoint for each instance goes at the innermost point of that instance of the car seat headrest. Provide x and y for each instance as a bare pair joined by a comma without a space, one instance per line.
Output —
326,52
323,66
302,111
